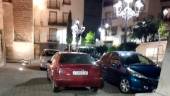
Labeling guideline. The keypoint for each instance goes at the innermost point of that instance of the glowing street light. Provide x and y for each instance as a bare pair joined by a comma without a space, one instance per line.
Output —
77,29
127,9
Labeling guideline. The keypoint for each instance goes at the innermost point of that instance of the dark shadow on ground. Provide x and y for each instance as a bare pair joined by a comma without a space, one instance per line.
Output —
33,67
34,82
77,91
109,88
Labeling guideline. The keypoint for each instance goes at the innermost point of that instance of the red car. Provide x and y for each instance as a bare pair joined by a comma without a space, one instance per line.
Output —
73,69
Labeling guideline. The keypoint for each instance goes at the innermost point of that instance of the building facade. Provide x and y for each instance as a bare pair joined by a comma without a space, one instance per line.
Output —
31,25
50,22
18,29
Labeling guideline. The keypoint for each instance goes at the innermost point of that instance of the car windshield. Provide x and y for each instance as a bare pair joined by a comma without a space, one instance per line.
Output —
135,59
49,52
76,59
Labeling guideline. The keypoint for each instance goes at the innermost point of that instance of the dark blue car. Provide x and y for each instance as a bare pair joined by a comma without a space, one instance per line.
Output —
130,71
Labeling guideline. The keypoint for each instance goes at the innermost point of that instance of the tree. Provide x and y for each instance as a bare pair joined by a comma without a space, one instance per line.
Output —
163,33
69,38
89,39
146,29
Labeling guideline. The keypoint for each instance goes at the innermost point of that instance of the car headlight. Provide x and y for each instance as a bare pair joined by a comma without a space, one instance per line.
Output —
136,74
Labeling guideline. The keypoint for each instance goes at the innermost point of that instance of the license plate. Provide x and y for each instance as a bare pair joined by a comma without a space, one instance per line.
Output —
80,72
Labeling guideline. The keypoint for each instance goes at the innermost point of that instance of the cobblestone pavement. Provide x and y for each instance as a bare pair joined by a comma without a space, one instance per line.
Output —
19,80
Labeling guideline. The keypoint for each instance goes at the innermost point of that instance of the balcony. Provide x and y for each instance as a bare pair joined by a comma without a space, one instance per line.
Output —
109,19
7,1
57,24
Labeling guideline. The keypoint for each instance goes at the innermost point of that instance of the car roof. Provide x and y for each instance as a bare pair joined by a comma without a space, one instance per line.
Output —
125,52
50,50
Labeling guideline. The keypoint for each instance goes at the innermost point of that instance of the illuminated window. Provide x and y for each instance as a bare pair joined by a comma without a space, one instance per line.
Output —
108,14
52,17
67,2
52,34
65,17
53,4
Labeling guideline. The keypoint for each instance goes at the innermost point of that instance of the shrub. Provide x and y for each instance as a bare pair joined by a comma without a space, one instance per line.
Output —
113,48
129,46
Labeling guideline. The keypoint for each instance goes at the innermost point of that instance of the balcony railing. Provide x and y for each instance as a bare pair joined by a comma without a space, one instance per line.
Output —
7,1
109,19
57,23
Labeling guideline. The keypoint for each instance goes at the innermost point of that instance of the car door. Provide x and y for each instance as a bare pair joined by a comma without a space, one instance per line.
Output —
103,63
115,70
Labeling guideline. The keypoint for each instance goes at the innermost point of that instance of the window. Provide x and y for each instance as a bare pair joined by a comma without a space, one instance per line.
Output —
53,34
65,17
108,14
76,59
114,58
49,52
135,59
104,58
113,31
52,17
143,60
67,2
54,4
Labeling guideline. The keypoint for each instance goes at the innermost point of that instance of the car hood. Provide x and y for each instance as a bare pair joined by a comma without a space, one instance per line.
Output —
151,71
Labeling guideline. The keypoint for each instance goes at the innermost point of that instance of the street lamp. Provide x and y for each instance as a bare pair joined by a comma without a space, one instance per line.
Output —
127,9
77,30
104,30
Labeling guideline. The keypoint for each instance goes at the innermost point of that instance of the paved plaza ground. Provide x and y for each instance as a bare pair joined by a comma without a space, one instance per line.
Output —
29,80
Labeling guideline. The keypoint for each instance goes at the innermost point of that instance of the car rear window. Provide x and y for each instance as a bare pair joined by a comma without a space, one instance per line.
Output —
76,59
49,53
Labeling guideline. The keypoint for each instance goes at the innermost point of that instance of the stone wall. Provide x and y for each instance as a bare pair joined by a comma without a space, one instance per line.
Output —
19,29
8,27
23,20
2,43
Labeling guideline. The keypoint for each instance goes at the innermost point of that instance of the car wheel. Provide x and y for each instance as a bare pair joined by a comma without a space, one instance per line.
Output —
55,88
94,89
124,86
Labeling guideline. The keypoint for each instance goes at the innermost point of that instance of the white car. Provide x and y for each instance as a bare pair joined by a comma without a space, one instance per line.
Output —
45,56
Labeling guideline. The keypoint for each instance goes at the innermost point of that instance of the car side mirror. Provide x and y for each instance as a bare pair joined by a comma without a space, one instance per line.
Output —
49,61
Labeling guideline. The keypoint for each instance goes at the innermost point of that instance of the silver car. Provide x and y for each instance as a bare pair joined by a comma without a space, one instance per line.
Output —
45,56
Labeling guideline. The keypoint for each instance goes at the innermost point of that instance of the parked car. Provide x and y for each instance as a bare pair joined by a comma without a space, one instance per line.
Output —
45,56
89,50
130,71
73,69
